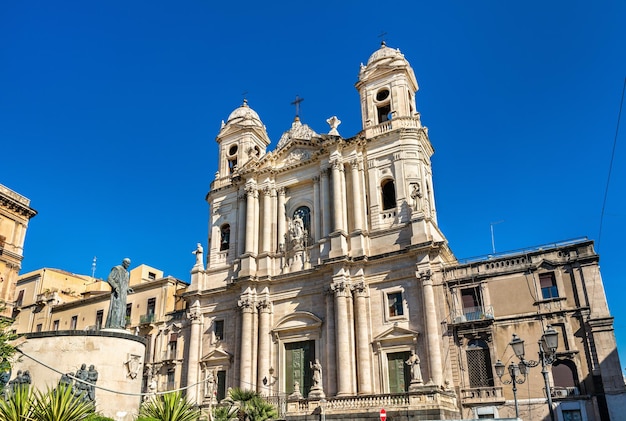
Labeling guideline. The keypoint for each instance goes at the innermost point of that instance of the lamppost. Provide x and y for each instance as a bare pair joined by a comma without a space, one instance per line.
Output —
515,371
547,355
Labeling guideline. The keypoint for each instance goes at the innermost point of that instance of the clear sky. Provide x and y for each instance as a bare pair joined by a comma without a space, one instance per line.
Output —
109,111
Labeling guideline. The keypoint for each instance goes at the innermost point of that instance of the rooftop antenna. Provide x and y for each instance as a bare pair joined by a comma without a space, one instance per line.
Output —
493,242
297,102
93,267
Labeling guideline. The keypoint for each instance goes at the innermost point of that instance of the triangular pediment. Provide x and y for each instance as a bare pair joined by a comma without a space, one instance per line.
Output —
216,356
396,334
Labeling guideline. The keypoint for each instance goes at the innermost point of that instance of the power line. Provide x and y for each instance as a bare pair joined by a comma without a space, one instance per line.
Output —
606,190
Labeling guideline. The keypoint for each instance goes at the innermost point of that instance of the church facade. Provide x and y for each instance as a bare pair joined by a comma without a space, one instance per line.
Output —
329,288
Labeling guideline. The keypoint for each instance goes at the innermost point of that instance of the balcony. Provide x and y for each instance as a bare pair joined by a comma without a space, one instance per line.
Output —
482,395
564,392
147,318
169,355
472,314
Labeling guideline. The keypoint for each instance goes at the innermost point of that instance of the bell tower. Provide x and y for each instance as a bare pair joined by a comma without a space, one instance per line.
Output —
242,138
387,87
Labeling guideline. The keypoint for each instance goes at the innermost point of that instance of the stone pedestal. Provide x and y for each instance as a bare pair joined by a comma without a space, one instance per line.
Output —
117,355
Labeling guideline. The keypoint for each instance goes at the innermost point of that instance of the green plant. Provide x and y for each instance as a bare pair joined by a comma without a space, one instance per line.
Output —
18,405
168,407
98,417
245,404
61,404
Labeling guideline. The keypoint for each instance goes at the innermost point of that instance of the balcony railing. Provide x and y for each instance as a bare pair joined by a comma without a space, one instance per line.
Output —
472,314
168,355
482,395
147,318
564,392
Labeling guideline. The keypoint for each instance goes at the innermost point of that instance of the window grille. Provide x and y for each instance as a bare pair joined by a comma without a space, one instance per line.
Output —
479,365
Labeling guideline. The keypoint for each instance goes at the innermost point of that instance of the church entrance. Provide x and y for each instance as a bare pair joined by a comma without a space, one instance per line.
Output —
399,372
298,356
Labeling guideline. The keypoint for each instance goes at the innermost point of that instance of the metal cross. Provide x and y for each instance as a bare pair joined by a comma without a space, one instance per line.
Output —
297,102
382,36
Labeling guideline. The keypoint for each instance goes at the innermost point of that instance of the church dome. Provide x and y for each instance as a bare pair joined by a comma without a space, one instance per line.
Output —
244,115
385,52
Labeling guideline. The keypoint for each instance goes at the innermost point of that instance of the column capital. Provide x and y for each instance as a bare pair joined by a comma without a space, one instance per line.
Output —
251,190
246,305
267,191
324,172
281,191
316,179
264,305
194,314
360,289
337,164
424,276
340,287
354,163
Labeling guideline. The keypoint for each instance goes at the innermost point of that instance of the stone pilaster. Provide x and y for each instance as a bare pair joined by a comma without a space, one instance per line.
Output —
193,365
246,305
432,329
281,218
342,340
263,364
363,353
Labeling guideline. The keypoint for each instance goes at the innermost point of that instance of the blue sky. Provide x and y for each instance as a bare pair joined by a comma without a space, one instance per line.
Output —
109,111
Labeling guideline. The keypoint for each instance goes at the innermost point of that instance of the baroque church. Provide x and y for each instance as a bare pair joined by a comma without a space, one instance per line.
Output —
328,287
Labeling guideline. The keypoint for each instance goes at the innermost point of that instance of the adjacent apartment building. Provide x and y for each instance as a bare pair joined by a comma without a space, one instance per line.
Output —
326,253
15,213
52,300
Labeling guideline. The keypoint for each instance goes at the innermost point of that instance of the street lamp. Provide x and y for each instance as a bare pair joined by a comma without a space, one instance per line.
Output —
547,355
517,373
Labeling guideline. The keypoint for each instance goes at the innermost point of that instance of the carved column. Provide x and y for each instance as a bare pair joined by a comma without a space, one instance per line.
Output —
316,209
357,197
325,199
342,339
250,219
337,199
263,364
245,369
432,330
193,363
267,220
281,217
363,353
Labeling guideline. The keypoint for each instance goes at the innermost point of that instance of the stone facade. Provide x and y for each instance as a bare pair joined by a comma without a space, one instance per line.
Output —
328,248
15,213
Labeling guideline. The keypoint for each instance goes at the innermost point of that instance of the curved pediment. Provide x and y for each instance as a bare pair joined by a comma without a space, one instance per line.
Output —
216,356
298,321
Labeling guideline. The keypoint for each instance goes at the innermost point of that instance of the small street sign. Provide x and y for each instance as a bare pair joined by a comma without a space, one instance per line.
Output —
383,415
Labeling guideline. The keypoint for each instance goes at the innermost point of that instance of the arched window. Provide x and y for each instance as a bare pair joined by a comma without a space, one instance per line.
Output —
224,237
564,376
479,364
389,194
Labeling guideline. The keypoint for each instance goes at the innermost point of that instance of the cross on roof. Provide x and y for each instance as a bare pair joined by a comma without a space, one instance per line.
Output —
297,102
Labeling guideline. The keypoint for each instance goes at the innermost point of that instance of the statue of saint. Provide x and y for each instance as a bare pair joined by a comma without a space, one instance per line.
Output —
198,252
316,367
92,377
118,280
416,371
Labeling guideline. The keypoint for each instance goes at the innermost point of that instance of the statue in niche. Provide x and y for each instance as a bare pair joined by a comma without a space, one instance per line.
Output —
416,195
297,231
118,279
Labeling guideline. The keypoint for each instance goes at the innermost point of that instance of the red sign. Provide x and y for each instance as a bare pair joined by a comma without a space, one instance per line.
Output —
383,415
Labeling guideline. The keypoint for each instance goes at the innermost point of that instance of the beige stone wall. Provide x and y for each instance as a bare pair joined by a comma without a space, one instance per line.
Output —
118,358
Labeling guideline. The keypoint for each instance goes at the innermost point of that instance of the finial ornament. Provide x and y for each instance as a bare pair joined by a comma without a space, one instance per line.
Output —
333,122
297,102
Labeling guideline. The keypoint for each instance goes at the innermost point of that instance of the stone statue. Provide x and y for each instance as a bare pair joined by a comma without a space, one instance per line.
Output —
416,371
92,377
118,280
316,367
296,230
81,388
210,385
5,376
416,195
317,390
66,380
198,252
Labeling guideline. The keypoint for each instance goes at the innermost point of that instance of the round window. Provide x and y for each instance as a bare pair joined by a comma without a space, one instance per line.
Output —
382,95
232,150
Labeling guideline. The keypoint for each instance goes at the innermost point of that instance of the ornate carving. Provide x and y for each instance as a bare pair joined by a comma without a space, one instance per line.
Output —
133,364
245,304
297,155
264,305
360,289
